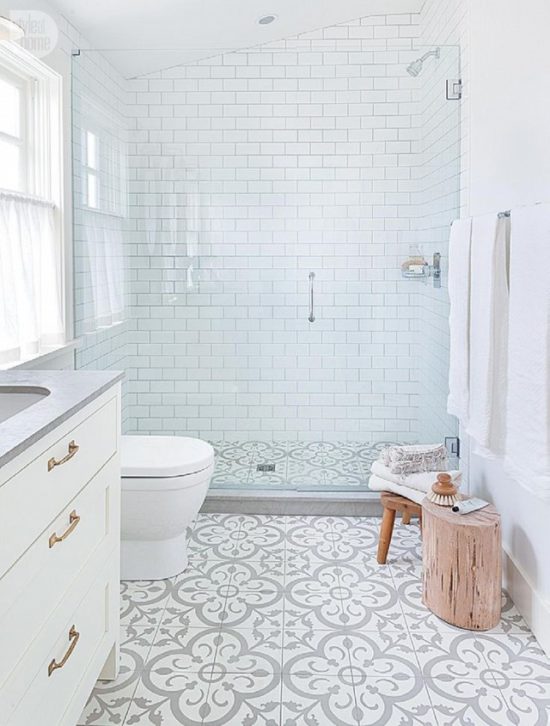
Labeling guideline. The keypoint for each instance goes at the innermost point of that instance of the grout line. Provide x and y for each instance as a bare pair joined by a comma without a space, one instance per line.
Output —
411,640
337,563
145,660
286,521
219,629
131,699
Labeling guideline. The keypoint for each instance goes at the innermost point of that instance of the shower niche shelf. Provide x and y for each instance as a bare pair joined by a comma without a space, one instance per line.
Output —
418,268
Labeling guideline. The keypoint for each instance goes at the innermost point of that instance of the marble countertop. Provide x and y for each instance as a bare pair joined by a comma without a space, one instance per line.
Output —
69,392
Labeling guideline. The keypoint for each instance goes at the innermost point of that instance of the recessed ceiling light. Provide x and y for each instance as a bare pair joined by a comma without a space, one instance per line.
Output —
267,19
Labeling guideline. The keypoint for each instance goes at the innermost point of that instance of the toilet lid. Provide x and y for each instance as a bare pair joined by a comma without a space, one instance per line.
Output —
164,456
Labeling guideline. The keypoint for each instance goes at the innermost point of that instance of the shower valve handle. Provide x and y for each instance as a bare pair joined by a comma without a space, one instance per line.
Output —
311,317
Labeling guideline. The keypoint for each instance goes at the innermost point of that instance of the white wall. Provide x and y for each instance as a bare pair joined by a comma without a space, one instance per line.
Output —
510,166
510,104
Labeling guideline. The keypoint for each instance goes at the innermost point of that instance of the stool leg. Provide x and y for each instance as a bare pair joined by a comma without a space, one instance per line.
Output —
406,517
386,531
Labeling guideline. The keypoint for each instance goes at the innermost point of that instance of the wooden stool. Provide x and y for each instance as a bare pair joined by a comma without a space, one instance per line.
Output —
393,503
462,570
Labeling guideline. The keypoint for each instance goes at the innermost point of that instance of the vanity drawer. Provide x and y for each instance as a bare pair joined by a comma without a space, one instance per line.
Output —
43,685
41,490
30,592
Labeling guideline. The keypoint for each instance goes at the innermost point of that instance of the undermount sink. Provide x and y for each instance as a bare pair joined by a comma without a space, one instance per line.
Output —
14,399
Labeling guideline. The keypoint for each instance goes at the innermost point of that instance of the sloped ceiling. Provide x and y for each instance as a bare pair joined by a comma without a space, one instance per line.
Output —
144,36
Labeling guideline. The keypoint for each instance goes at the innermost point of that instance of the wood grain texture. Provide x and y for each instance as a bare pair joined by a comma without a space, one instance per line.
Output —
462,566
393,503
386,532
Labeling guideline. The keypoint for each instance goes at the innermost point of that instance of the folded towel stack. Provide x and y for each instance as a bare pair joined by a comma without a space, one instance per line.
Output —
377,484
410,471
411,459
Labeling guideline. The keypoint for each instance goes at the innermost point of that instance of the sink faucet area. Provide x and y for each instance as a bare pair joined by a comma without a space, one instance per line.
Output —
14,399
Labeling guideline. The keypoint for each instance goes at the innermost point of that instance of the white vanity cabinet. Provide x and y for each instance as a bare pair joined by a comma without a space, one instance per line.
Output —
59,567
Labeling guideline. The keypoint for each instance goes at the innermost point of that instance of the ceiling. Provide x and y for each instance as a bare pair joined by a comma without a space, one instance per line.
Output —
144,36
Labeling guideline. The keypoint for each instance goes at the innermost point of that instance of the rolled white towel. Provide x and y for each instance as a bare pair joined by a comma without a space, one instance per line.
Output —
377,484
421,481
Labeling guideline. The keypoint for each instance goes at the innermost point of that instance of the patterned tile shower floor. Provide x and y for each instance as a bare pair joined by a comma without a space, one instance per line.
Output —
298,465
289,621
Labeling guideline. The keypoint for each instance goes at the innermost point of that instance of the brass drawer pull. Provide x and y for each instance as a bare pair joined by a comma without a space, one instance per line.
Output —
73,637
74,519
53,462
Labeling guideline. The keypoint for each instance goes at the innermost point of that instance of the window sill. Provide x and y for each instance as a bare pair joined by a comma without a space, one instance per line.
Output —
50,359
103,212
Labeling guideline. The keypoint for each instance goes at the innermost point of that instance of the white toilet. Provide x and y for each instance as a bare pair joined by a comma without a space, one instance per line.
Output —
164,483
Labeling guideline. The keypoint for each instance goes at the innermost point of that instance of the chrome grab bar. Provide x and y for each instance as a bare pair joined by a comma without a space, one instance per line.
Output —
311,315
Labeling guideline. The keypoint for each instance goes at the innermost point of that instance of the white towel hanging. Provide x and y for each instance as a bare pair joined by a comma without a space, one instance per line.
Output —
459,319
528,400
488,333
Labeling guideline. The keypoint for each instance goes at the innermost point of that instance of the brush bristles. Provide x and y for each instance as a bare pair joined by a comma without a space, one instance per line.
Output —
443,500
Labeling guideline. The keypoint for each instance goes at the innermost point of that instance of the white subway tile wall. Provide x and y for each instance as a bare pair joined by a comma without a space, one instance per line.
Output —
248,171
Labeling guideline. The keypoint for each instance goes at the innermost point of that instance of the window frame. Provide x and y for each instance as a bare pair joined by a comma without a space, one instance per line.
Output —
44,132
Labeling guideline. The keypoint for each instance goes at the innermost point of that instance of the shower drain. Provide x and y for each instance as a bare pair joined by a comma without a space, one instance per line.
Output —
265,467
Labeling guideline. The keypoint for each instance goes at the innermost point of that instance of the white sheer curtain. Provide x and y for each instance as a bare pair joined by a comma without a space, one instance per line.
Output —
104,252
30,288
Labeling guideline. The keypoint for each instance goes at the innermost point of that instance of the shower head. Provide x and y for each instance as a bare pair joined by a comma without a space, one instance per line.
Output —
415,68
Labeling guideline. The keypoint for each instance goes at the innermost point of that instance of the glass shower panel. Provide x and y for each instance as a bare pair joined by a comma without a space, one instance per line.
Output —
437,203
259,207
100,212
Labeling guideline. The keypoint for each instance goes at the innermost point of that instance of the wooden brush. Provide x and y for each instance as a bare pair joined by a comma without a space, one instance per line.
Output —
444,492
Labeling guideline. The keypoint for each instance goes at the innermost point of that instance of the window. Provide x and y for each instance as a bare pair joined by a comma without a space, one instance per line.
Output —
90,164
100,188
12,133
31,253
102,154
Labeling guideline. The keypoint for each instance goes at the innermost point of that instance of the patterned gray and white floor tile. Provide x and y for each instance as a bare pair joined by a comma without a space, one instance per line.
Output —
290,621
302,465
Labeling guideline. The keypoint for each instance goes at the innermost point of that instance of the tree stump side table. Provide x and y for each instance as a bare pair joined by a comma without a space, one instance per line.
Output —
462,566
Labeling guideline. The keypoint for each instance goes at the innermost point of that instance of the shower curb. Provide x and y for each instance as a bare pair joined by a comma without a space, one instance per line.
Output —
242,501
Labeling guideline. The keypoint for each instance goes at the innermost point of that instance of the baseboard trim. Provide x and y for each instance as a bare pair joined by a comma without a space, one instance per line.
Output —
531,604
243,501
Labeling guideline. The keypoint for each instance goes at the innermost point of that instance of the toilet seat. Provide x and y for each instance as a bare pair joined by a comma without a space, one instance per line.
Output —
163,457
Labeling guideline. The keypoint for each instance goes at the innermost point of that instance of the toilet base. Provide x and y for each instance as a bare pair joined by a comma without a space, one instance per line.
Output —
154,559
